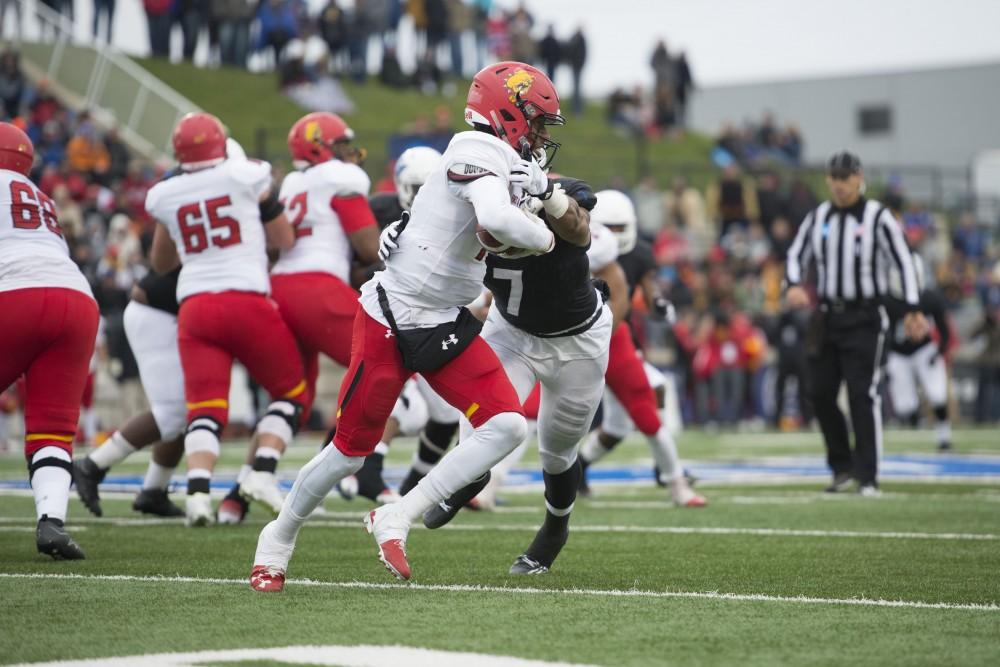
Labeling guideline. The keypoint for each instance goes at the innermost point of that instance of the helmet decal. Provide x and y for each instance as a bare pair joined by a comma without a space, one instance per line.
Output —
518,83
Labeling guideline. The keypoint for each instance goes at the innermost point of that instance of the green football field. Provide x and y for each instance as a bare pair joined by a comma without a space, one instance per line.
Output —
772,572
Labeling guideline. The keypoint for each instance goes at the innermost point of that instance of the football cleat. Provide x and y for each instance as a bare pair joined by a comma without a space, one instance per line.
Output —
527,565
264,579
387,496
156,502
684,496
87,477
390,528
232,511
945,446
52,539
841,481
869,490
348,487
262,487
440,514
198,510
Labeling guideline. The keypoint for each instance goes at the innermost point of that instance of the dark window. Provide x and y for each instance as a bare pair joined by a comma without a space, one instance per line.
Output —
875,119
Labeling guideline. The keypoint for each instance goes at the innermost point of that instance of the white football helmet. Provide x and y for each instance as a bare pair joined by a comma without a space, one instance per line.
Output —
412,169
616,211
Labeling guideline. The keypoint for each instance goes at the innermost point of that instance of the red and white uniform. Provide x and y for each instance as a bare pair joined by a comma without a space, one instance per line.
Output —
311,282
213,217
48,317
437,269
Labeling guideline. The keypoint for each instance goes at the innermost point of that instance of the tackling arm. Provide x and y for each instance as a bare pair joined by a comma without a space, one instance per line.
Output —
163,255
507,223
614,276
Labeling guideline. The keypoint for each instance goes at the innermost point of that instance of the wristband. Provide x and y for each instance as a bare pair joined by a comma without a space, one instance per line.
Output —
557,204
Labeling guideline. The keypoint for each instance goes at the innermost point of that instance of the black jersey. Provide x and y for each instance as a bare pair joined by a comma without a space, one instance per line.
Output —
931,305
161,290
548,295
636,263
385,206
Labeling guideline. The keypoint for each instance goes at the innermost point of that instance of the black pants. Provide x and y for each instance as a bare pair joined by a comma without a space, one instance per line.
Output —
788,368
847,347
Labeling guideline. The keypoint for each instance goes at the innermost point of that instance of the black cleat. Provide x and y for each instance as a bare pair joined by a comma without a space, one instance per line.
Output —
841,481
542,553
945,446
370,482
87,477
155,501
53,540
440,514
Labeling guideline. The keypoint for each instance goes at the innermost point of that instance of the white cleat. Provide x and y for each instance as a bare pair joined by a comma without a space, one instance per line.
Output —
270,562
262,487
198,510
684,496
390,528
348,487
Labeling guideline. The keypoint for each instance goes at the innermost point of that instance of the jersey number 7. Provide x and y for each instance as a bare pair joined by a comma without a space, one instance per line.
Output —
221,230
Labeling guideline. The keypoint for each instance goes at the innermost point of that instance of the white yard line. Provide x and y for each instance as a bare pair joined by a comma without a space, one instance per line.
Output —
332,520
469,588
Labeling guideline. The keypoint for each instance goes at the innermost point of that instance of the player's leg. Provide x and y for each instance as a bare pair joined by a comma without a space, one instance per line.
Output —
374,380
476,384
903,387
434,438
571,392
87,432
615,425
933,376
53,385
153,498
207,364
271,356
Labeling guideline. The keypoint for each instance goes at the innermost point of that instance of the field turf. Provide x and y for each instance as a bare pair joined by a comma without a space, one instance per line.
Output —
770,573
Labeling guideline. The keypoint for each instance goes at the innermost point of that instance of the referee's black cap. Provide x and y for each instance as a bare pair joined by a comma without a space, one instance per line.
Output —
843,164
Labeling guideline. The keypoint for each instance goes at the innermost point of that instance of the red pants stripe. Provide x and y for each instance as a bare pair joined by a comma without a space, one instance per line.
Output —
47,334
213,329
626,377
474,382
319,309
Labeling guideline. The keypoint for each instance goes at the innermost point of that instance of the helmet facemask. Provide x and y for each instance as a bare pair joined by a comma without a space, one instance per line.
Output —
543,148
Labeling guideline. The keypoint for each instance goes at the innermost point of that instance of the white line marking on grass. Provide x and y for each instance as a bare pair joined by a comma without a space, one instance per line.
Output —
27,529
520,590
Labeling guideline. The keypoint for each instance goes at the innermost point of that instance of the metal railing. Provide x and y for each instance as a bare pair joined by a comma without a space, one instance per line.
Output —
94,75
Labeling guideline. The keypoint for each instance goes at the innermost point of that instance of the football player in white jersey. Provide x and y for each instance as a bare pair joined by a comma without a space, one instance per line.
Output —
48,324
217,217
412,318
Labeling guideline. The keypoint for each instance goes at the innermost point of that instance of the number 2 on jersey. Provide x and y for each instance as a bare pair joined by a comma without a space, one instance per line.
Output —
516,288
191,220
297,208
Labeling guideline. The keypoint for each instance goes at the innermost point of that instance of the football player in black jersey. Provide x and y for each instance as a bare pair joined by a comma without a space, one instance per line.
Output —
549,323
631,400
151,326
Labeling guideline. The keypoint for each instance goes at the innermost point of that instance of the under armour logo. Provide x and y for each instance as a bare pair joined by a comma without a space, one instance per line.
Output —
388,333
451,340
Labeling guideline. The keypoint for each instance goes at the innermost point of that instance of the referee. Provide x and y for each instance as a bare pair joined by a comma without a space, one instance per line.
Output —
852,241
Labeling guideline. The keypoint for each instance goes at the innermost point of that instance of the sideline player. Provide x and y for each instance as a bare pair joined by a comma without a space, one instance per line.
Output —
412,319
549,324
150,321
48,324
217,216
630,400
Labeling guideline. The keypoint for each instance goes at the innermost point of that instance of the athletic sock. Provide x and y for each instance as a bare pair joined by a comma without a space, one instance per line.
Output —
198,480
943,424
50,483
593,450
370,482
115,450
316,479
433,442
266,459
157,476
665,453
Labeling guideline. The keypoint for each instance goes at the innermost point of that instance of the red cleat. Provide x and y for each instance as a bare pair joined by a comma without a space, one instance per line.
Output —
389,531
265,579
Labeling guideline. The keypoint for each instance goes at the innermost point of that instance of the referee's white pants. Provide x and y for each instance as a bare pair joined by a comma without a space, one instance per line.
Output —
926,368
152,334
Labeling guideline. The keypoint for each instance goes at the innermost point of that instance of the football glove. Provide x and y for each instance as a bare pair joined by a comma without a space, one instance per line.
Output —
388,240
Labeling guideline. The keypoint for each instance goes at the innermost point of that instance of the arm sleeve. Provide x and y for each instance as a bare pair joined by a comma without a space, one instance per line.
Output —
800,253
893,246
353,211
495,213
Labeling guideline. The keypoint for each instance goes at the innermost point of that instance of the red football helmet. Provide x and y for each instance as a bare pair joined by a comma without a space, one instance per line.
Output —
16,151
312,138
199,141
507,97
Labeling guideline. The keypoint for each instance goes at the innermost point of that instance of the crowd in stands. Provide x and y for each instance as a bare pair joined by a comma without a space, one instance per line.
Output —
660,109
758,144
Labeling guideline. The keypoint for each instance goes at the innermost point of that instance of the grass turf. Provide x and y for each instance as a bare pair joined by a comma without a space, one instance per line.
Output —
95,618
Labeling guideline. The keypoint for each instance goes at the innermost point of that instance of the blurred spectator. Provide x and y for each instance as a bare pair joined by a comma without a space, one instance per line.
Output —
790,338
158,21
107,8
191,15
522,44
12,84
4,5
550,51
86,152
987,407
769,200
801,200
648,207
118,155
732,200
459,24
685,208
480,18
437,30
392,73
498,37
277,26
664,117
969,238
575,54
664,72
624,111
234,18
682,88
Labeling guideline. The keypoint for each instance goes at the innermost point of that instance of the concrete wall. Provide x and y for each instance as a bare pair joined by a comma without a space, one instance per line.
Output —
940,117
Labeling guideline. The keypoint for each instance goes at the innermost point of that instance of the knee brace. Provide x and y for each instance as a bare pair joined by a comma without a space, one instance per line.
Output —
202,436
50,456
281,420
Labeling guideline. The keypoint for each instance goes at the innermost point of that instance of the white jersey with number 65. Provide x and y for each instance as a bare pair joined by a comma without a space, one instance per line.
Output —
213,216
33,252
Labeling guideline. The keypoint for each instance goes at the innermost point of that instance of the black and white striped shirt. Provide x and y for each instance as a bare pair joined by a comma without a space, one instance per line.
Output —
853,249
